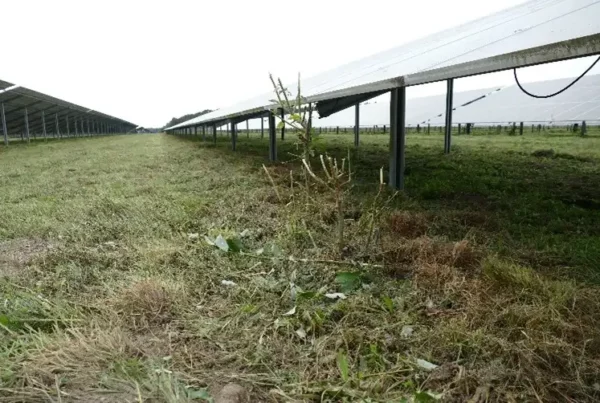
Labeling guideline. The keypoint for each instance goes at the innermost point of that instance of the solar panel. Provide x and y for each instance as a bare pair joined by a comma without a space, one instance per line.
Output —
5,84
418,110
534,32
18,99
580,102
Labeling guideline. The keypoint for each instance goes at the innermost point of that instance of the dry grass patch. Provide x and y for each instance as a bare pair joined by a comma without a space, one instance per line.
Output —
149,302
516,335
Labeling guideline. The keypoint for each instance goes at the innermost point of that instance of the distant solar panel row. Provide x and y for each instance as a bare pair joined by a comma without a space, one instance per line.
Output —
24,111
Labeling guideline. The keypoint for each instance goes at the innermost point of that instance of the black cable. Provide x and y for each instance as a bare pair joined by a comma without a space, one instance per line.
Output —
558,92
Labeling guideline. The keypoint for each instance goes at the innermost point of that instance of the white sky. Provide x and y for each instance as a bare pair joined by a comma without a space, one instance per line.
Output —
148,61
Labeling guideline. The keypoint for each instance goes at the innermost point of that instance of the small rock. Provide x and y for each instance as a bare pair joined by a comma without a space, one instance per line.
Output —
407,331
232,393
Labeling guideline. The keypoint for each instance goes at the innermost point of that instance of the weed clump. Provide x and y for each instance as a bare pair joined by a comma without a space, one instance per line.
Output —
148,303
549,153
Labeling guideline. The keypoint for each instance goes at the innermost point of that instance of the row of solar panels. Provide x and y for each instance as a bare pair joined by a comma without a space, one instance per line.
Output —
535,32
486,106
490,106
23,110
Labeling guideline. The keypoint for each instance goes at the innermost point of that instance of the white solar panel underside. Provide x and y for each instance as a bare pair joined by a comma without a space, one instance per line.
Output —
492,43
418,110
580,102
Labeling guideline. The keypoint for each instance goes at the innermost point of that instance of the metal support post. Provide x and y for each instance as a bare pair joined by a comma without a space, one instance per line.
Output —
56,124
272,138
397,137
356,125
282,124
233,135
262,127
26,125
68,130
247,130
583,128
203,133
44,125
214,133
4,129
448,133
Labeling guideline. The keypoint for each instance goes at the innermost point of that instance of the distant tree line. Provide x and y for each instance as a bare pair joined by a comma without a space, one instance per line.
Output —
176,121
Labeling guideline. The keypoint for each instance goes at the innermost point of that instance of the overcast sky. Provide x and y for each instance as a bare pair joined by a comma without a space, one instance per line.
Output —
148,61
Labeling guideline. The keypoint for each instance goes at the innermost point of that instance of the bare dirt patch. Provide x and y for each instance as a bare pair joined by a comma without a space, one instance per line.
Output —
17,253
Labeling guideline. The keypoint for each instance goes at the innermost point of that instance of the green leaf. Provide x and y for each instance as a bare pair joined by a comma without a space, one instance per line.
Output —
280,125
388,303
306,295
348,281
427,397
296,118
200,394
342,363
235,245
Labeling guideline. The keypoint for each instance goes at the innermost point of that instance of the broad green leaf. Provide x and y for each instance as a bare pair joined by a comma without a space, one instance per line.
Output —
342,362
389,303
235,245
348,281
427,397
200,394
296,118
280,125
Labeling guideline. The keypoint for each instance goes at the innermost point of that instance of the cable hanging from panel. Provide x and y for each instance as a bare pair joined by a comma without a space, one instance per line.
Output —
557,92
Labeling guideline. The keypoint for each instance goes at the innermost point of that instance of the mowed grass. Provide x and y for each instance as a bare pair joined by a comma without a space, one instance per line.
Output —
479,281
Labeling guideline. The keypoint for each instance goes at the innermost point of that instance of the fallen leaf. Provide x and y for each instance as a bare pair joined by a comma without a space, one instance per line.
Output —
222,244
290,312
426,364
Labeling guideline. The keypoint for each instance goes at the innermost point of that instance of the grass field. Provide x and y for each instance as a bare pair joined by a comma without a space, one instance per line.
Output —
479,282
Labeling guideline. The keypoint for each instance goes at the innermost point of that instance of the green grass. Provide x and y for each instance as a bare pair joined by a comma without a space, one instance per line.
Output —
487,265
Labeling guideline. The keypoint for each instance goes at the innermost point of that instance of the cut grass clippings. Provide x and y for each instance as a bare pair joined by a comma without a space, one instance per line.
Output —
479,283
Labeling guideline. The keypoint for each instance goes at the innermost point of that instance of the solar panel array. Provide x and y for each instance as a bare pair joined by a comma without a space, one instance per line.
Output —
4,85
30,111
534,32
578,103
418,110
